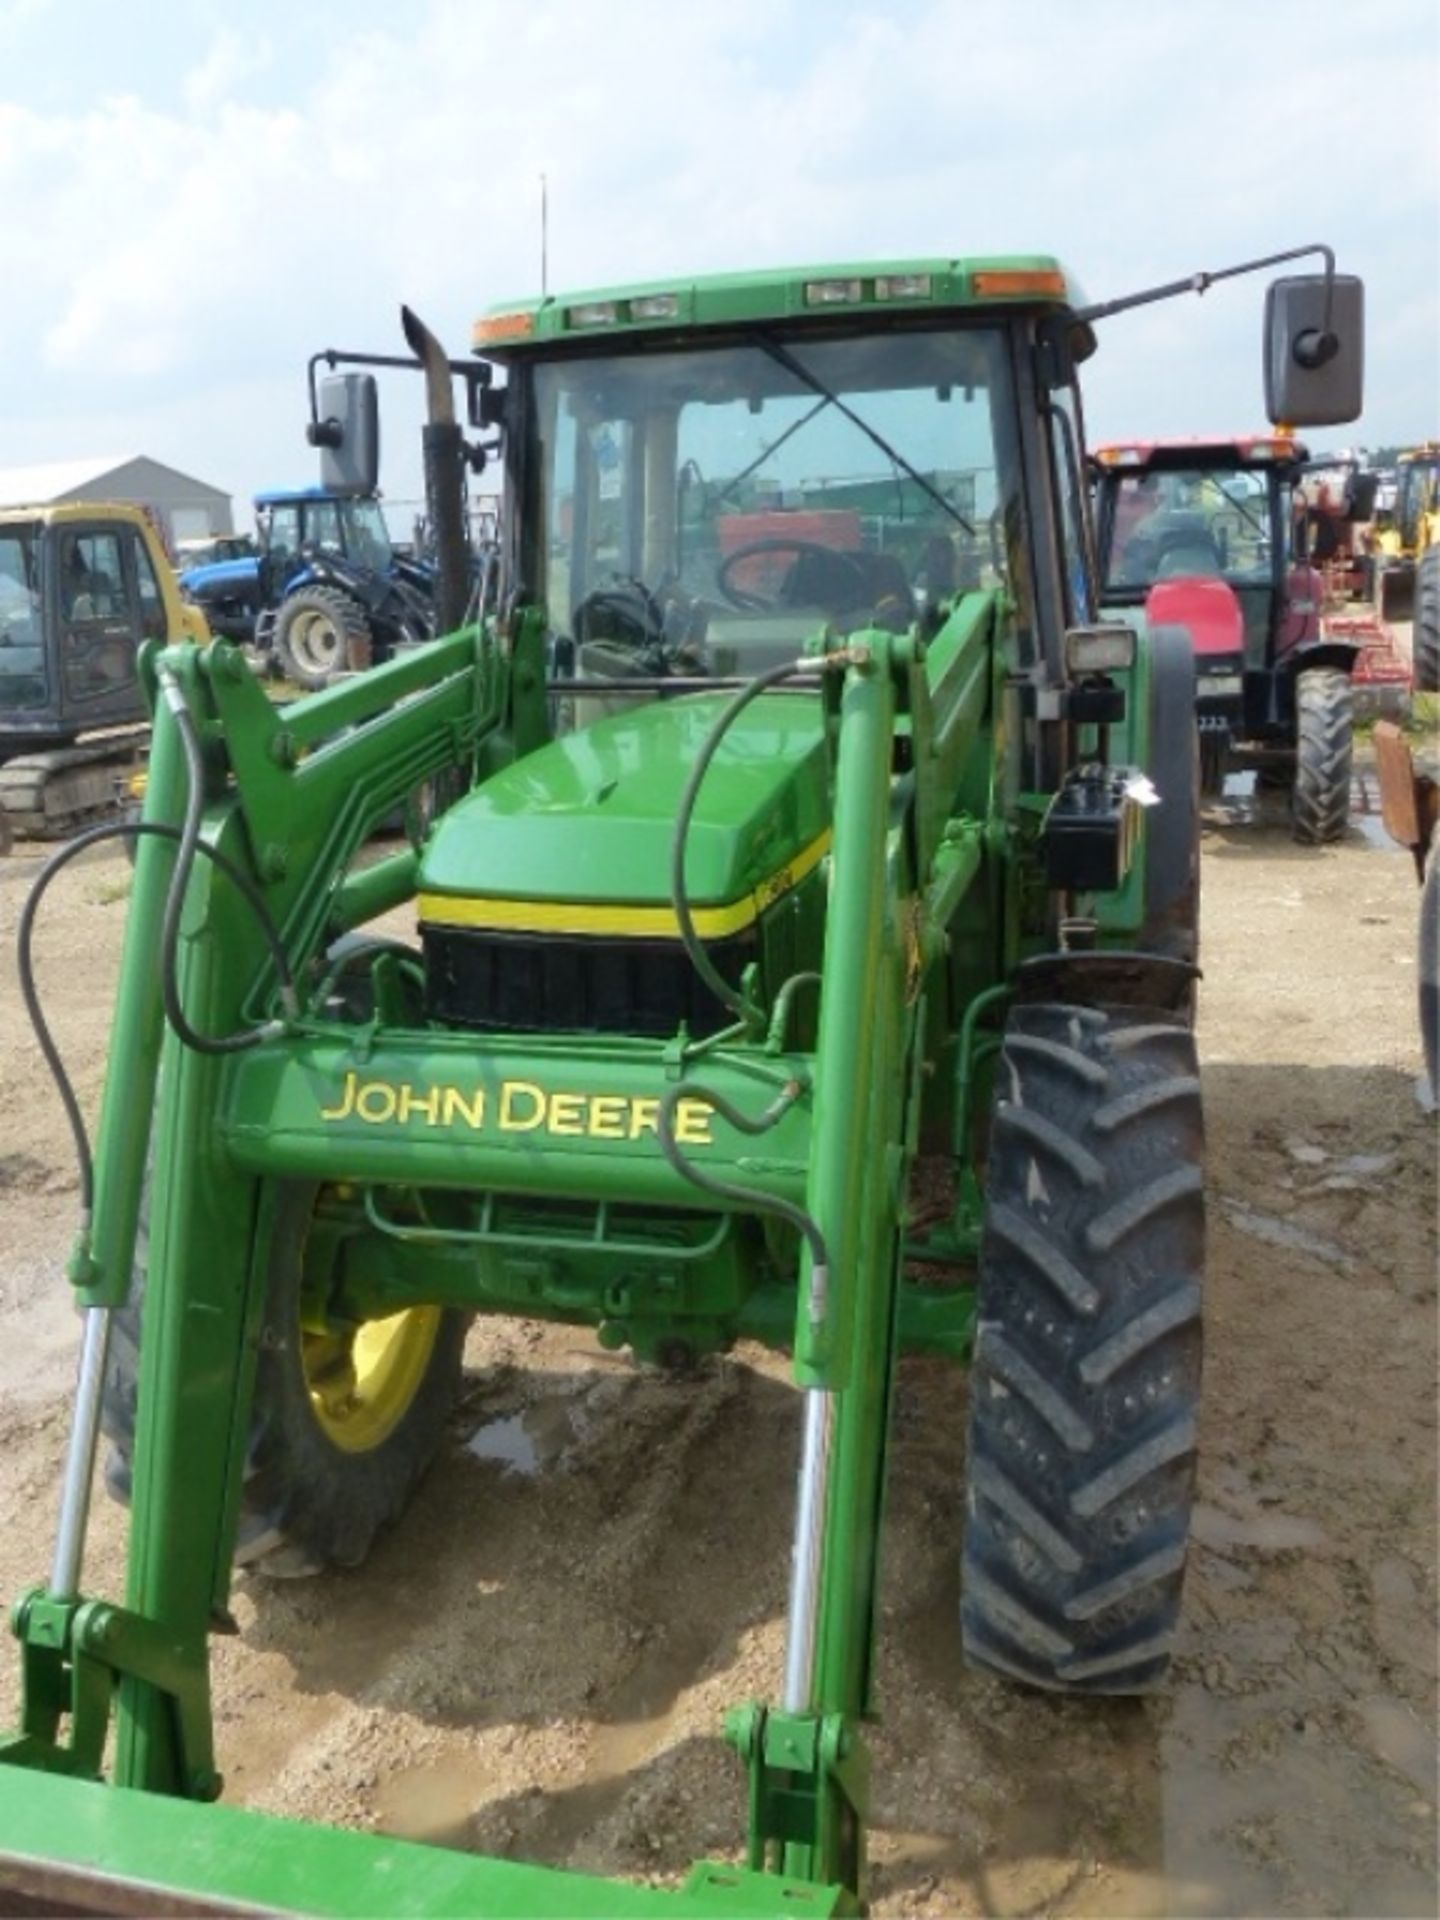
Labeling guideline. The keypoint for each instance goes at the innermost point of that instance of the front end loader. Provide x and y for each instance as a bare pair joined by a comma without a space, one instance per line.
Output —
787,855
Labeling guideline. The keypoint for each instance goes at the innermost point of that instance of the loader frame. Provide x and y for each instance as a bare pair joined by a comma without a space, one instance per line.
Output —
309,785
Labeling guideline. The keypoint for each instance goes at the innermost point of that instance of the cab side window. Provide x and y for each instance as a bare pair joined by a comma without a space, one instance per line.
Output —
284,541
99,647
322,526
152,605
1067,453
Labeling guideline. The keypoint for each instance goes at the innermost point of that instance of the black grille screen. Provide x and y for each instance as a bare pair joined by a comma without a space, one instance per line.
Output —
539,983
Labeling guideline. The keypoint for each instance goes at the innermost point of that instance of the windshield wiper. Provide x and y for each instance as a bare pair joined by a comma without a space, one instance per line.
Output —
774,446
786,359
1241,509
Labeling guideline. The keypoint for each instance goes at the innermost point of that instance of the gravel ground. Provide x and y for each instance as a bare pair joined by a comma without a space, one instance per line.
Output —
536,1660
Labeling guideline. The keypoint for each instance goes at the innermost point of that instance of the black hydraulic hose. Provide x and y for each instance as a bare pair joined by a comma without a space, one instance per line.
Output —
749,1198
25,965
190,842
727,995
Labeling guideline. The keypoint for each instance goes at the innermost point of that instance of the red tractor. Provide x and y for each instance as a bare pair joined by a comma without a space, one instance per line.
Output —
1200,534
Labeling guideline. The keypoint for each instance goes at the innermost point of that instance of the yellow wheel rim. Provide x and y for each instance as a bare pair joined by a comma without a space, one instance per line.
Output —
362,1384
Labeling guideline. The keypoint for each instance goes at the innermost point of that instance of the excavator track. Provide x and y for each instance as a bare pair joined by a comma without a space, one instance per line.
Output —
50,795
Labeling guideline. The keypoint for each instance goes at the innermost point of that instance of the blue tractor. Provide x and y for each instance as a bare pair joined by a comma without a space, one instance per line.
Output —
326,593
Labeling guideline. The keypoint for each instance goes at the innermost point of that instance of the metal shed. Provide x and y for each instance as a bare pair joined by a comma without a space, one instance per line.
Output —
186,508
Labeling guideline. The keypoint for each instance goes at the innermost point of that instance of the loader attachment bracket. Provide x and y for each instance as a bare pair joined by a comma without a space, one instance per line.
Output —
809,1780
74,1654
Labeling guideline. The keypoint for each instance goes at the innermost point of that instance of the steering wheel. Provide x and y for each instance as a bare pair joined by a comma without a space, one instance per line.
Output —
850,588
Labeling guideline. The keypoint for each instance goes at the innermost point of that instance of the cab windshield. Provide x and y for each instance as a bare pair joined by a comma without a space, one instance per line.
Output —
706,512
23,677
1212,522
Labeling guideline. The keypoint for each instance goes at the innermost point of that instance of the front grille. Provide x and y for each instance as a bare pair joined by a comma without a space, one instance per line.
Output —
538,983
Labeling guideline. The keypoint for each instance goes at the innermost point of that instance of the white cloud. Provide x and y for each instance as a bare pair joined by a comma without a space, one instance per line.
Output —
195,248
230,62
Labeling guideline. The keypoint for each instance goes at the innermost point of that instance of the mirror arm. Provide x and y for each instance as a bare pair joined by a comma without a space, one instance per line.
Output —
325,433
1312,349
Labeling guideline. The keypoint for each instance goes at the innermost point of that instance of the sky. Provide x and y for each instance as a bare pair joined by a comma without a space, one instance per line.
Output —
199,196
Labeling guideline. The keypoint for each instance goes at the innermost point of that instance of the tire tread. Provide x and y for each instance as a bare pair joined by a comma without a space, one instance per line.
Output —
1085,1389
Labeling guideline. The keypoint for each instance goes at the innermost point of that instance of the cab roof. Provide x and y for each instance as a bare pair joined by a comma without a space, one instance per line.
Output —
55,513
876,288
286,496
1202,450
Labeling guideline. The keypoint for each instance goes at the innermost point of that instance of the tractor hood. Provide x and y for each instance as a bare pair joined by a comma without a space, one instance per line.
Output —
1207,609
589,819
222,576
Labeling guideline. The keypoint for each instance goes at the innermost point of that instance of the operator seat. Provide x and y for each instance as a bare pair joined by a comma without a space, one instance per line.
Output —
1188,555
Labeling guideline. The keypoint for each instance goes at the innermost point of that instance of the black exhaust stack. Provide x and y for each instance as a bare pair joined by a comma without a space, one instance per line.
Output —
444,447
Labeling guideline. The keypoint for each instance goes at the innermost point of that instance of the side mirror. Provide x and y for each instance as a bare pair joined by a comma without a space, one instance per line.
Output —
483,402
1314,350
347,431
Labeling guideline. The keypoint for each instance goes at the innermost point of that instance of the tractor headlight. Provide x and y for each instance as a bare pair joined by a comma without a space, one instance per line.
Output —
1099,649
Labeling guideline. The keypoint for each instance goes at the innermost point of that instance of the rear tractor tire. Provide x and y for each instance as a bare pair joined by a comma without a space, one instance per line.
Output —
1426,632
319,633
1324,739
1085,1390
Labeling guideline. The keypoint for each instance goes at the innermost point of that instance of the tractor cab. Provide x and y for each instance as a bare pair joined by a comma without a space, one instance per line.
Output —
1199,533
292,524
705,507
706,485
1417,497
79,591
82,587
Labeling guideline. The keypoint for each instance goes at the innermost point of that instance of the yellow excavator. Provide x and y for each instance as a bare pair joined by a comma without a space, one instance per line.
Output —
81,586
1407,558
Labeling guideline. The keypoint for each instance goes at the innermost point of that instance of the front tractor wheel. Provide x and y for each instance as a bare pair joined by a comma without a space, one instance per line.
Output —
1324,738
319,633
1086,1385
343,1423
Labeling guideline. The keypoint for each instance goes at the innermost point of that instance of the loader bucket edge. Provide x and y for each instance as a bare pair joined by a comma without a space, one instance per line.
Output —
75,1847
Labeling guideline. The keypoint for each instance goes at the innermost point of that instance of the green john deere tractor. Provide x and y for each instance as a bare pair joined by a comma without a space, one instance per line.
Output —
792,822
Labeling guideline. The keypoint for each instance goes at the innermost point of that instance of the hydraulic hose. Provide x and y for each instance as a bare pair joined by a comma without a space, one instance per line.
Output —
726,994
749,1198
175,901
25,963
